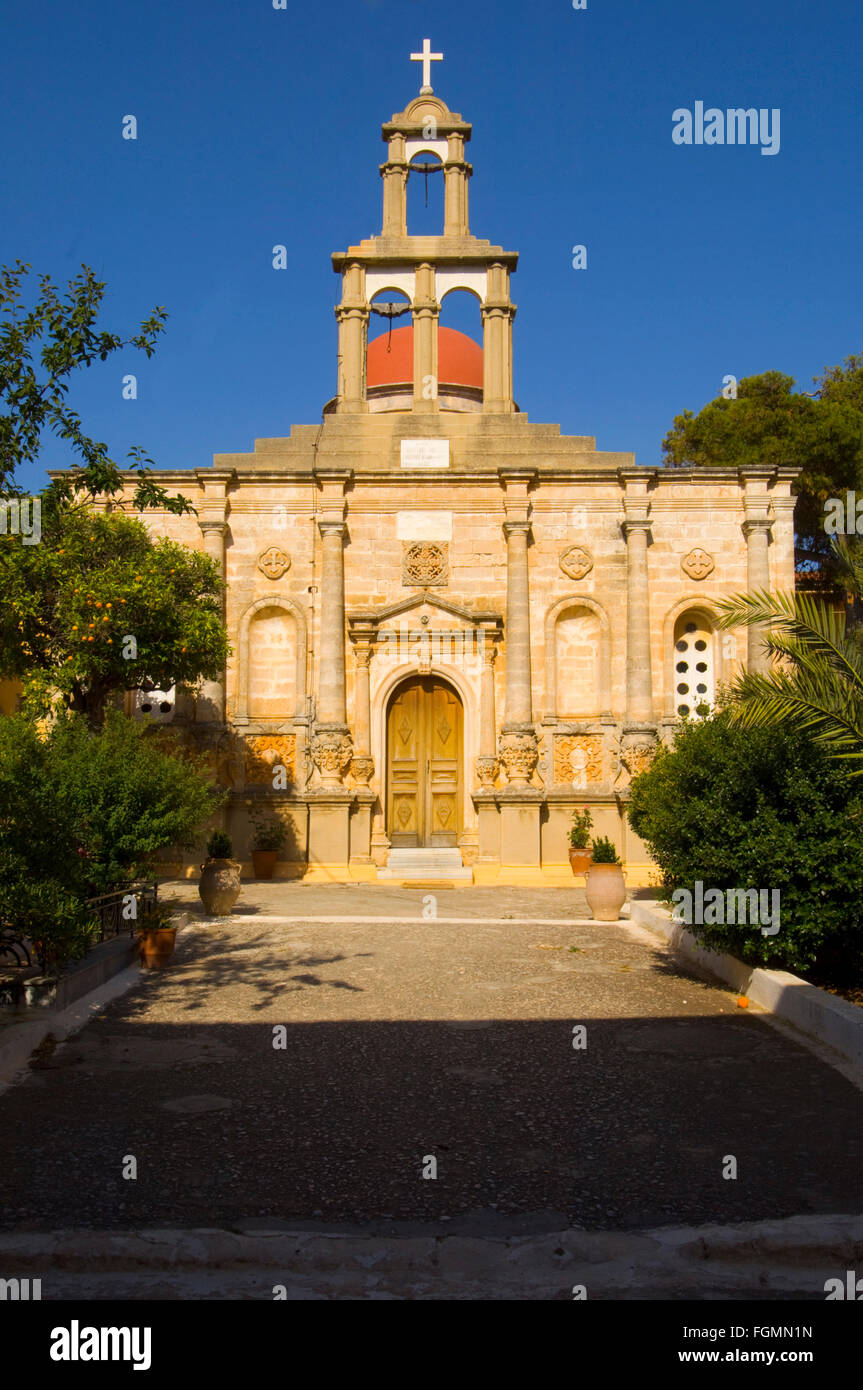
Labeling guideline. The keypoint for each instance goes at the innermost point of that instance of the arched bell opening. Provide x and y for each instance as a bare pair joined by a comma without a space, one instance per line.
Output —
390,352
460,351
425,195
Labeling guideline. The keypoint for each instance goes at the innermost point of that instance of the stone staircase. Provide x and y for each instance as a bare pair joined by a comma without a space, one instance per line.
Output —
426,866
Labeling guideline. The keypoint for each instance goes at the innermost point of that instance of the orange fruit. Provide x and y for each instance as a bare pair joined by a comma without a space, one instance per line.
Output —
742,1001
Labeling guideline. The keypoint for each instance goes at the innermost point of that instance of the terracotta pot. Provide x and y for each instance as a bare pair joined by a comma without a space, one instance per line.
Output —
606,891
157,946
220,886
264,861
580,859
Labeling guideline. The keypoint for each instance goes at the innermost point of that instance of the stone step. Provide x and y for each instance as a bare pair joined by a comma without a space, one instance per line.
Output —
426,865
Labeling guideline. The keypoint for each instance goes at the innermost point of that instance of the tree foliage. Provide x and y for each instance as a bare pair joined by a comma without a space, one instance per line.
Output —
133,791
61,331
770,423
99,607
815,685
43,871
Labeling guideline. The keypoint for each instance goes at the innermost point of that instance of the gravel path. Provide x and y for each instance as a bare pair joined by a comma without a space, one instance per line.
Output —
418,1039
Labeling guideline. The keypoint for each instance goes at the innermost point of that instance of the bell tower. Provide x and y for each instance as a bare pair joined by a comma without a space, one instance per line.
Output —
425,269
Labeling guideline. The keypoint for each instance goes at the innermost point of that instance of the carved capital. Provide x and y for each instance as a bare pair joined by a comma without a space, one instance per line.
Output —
486,771
519,754
635,752
753,524
363,768
331,752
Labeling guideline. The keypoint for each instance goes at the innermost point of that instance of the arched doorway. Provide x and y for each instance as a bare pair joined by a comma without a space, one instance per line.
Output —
424,764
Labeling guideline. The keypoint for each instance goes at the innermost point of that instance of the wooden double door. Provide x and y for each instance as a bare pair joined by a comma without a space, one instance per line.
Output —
424,764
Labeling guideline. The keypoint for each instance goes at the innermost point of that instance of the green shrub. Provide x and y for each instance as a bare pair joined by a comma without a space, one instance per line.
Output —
219,846
604,851
44,871
747,808
269,834
579,834
81,811
132,793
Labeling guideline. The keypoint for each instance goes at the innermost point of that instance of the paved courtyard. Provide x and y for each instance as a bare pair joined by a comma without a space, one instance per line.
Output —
411,1037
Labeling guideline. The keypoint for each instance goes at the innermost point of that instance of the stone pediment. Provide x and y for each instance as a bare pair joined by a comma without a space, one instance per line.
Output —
421,603
418,113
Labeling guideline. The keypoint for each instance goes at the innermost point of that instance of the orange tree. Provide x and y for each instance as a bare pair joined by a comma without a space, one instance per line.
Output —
99,607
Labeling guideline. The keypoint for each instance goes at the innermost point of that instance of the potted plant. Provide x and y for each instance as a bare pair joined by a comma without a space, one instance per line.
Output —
605,883
269,837
220,876
580,853
157,937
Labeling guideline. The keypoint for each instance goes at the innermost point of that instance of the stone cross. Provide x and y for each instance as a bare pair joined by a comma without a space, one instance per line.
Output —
426,58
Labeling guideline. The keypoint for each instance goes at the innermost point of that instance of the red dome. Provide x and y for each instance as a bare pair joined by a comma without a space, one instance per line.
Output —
459,359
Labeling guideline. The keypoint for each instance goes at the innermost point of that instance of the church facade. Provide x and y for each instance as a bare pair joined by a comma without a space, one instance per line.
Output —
451,626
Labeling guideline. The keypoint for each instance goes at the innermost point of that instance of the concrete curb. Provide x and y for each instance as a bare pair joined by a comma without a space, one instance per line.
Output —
774,1259
18,1041
823,1016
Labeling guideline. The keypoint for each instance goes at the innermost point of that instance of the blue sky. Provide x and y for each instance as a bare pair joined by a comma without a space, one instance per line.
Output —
260,126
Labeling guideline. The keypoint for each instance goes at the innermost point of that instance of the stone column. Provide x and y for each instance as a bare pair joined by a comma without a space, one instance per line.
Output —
331,745
636,529
353,317
426,312
498,312
212,513
456,174
363,766
518,745
757,526
331,668
756,529
486,763
394,174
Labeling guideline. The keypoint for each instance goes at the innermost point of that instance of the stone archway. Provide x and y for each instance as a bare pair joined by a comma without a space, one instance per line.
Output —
425,763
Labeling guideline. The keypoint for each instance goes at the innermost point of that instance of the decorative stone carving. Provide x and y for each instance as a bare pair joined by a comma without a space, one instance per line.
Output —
578,760
697,564
274,562
265,753
363,768
576,562
635,754
425,563
486,771
332,752
519,755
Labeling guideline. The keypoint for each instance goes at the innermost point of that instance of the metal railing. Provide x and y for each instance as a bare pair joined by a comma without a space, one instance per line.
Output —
112,909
